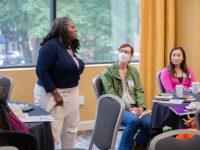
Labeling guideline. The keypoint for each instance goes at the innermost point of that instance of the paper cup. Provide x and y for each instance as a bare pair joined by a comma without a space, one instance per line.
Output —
179,90
195,87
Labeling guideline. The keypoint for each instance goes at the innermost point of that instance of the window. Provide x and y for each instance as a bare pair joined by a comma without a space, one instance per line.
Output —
22,25
102,26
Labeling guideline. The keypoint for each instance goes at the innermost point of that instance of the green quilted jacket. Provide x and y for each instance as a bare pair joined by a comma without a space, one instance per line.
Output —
112,83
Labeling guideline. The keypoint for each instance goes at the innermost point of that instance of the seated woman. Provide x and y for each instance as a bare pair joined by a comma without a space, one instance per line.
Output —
4,109
8,120
177,71
123,80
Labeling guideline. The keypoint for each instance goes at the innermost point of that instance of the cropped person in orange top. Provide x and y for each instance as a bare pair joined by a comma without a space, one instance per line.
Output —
190,122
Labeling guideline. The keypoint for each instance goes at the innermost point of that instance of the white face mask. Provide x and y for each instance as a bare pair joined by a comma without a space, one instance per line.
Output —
123,58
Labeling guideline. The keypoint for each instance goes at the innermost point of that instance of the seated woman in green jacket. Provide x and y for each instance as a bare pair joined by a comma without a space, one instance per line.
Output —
123,80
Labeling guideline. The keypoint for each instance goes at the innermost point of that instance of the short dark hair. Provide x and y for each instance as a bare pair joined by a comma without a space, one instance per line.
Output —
183,63
59,30
127,45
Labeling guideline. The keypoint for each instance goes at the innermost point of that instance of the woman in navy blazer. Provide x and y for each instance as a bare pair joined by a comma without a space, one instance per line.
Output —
58,69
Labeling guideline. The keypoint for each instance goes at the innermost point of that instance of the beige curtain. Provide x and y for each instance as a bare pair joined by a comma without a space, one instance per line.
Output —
188,32
157,38
196,53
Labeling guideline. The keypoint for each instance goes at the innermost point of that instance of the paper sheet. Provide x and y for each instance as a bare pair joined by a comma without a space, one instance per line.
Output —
171,101
44,118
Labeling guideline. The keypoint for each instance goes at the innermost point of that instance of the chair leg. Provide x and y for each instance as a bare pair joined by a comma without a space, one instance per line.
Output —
90,146
141,148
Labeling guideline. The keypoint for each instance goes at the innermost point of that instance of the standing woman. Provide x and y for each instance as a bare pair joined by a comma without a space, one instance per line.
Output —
58,69
177,71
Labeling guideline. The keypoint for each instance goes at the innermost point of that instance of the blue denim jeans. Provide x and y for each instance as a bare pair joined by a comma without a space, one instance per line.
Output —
133,123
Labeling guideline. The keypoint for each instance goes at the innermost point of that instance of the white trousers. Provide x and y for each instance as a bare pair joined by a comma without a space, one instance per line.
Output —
66,117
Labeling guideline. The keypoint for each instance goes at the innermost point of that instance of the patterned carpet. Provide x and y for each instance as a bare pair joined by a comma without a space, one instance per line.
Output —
83,139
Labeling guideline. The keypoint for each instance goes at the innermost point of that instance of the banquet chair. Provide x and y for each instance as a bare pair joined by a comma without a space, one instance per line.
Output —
8,148
98,89
161,87
98,86
197,119
7,83
110,110
168,141
22,141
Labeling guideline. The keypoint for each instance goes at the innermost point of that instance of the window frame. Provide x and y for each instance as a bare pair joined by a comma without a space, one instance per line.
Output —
53,14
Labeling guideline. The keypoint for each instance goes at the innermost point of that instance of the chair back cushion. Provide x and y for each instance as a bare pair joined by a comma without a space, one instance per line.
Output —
197,119
7,84
98,86
168,141
108,120
161,87
20,140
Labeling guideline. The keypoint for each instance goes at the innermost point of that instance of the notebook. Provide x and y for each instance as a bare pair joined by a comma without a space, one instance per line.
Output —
180,110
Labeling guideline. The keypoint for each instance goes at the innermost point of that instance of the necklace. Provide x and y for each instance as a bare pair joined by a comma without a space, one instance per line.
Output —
179,73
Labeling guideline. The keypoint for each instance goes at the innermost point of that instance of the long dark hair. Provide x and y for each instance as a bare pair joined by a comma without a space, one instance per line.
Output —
4,111
59,30
183,65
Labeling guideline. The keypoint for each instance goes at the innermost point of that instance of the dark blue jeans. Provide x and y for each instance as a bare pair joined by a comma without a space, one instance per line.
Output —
133,123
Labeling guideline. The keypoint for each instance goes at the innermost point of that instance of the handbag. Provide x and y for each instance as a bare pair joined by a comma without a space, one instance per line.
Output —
16,124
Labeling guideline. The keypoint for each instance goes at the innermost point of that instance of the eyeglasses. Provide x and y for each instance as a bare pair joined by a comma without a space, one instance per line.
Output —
124,51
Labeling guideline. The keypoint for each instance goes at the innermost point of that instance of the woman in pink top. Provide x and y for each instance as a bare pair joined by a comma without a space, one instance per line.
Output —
177,71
